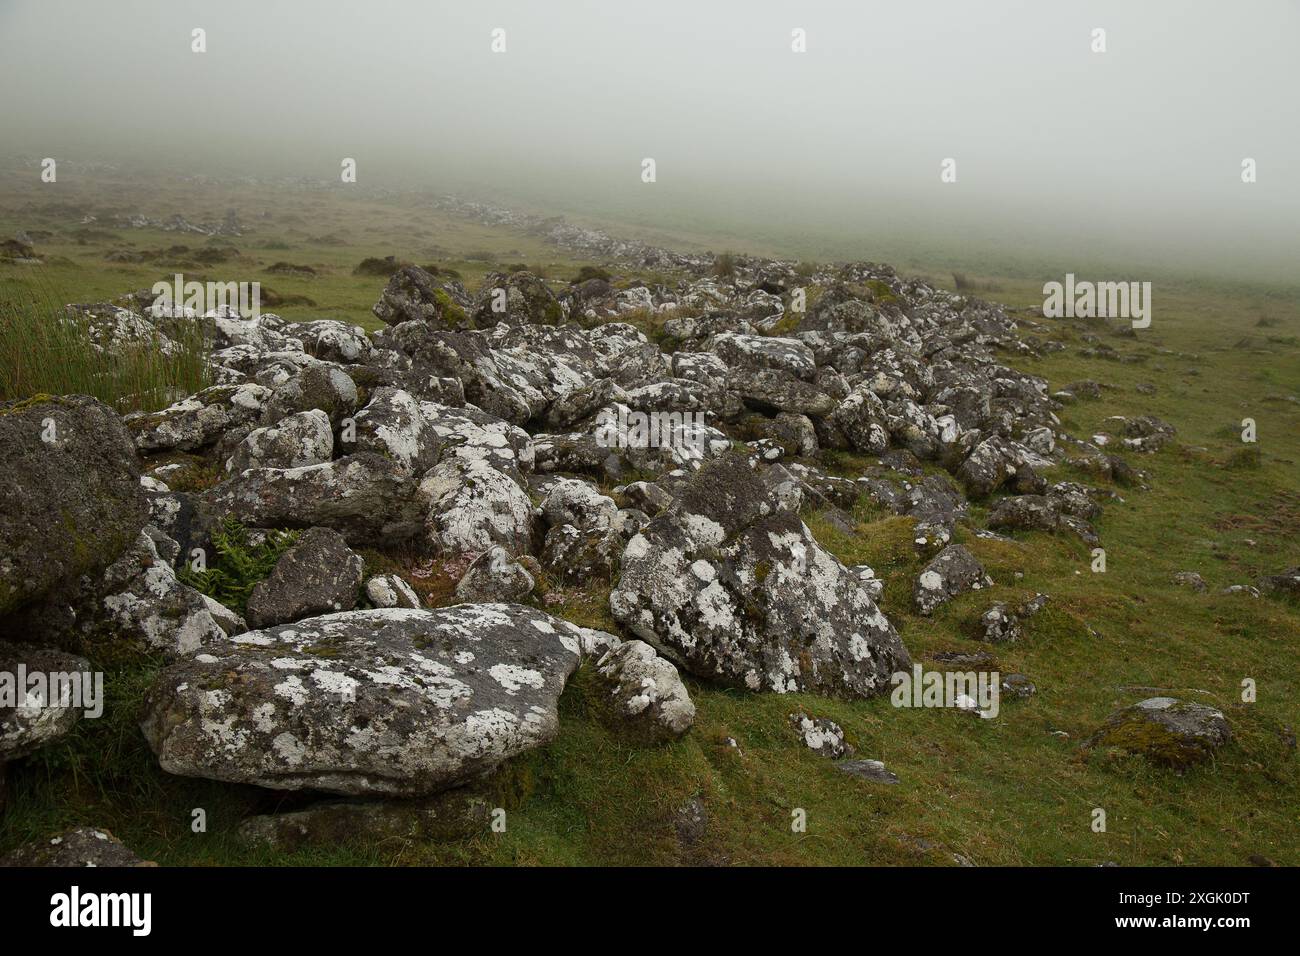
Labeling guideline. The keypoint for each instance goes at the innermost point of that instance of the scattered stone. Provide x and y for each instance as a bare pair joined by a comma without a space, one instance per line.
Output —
1017,686
873,770
954,572
395,702
34,717
390,590
646,692
317,574
1241,589
822,736
495,576
1166,731
1285,584
1190,579
691,822
82,846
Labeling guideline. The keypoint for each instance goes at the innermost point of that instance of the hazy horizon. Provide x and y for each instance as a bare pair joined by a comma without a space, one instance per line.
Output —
1133,154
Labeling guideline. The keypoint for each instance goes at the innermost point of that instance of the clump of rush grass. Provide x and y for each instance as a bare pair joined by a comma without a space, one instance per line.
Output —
51,349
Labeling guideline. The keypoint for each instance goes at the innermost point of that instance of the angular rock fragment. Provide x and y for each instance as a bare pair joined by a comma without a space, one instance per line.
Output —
70,494
645,692
495,576
144,602
39,710
79,847
390,590
364,496
317,574
296,440
954,572
873,770
822,736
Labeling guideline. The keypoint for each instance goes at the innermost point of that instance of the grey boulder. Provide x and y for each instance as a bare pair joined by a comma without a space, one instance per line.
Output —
1166,731
736,589
395,702
317,574
645,692
953,572
70,494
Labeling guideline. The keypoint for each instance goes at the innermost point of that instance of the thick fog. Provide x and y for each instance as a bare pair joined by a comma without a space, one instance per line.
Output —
1133,154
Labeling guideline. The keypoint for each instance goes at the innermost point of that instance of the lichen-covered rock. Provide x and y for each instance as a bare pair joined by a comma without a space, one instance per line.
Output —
317,574
1146,433
471,506
570,501
954,572
1284,584
331,341
397,702
296,440
392,424
999,625
576,557
320,385
736,589
997,461
495,576
144,602
647,496
229,622
390,590
82,846
861,417
70,494
519,298
1166,731
1039,513
1190,579
1017,687
39,711
364,496
199,421
748,352
821,736
775,390
412,294
645,692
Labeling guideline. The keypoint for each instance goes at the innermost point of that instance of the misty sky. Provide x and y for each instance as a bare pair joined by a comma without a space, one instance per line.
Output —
1142,144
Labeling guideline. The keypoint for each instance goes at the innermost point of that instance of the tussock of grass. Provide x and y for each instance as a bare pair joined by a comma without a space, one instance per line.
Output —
45,348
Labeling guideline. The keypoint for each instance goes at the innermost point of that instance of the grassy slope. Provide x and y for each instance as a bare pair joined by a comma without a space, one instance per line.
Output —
998,792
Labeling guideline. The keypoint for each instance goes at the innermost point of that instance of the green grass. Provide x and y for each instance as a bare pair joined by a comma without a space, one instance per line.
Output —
45,349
